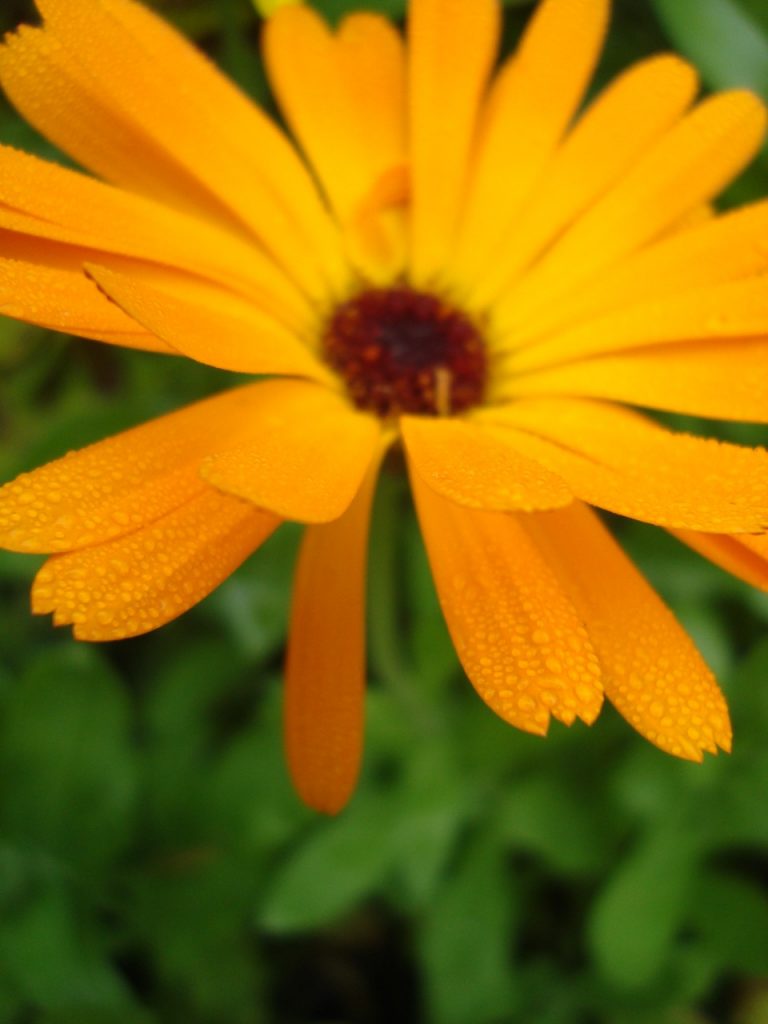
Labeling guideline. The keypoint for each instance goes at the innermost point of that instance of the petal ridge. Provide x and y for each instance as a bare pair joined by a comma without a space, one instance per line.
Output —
516,632
141,581
653,674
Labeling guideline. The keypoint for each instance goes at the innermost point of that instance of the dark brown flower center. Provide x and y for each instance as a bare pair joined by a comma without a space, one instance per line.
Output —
402,351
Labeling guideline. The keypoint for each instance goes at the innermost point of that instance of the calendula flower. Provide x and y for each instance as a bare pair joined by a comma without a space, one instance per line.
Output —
451,257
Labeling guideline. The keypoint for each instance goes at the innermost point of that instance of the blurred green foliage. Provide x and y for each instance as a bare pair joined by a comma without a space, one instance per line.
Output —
155,866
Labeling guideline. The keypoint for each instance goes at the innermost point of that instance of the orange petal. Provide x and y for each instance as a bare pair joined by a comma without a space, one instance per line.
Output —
722,380
726,248
653,674
469,464
209,324
40,79
731,310
693,219
452,45
376,234
515,631
123,483
343,95
263,151
45,200
627,464
743,556
621,125
113,86
141,581
65,300
307,455
532,100
325,670
687,167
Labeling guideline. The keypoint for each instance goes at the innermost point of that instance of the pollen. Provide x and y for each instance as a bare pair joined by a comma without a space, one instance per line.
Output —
403,351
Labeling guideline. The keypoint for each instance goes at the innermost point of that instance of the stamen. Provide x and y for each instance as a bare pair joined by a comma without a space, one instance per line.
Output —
443,380
402,351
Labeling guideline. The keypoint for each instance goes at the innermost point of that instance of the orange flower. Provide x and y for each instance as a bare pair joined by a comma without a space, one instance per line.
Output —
455,263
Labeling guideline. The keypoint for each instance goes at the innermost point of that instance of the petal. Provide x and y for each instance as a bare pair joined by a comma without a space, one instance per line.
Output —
688,166
123,483
452,45
141,581
325,670
516,632
46,201
622,124
223,114
65,300
343,95
532,101
627,464
376,235
720,379
731,310
692,219
307,455
43,83
112,85
653,674
209,324
743,556
467,463
714,251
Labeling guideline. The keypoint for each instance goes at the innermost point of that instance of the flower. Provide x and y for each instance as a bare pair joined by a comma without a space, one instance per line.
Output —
456,262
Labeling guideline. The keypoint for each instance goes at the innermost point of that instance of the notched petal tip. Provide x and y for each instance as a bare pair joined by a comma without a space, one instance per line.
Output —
145,579
683,720
534,712
693,750
7,39
516,632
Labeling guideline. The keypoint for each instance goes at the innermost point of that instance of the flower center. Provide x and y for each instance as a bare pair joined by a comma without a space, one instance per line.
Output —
402,351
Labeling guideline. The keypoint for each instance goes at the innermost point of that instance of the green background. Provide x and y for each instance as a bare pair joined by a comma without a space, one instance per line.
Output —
155,866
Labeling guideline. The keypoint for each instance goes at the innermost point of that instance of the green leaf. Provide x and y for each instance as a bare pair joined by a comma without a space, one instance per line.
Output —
466,936
53,960
708,630
558,821
68,774
434,659
334,10
253,605
191,915
721,39
236,50
343,861
436,800
87,1016
250,800
636,917
180,719
732,915
758,11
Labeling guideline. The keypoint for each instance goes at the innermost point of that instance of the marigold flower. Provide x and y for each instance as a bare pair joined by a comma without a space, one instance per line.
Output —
455,259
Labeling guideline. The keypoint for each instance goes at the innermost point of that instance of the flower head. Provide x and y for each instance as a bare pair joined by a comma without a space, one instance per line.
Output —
453,257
